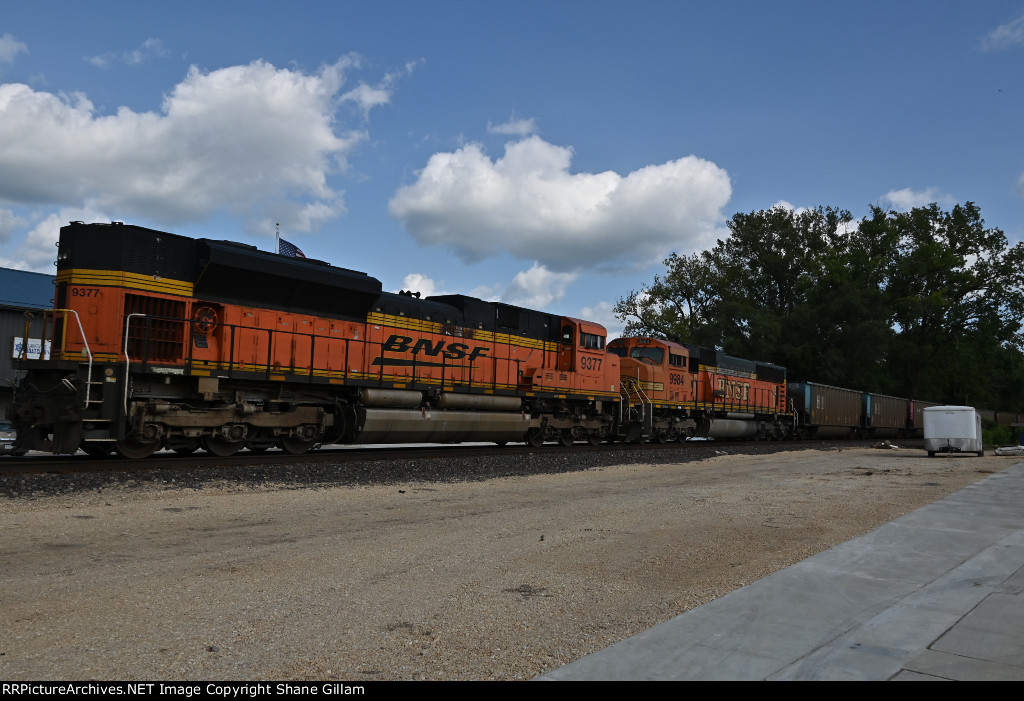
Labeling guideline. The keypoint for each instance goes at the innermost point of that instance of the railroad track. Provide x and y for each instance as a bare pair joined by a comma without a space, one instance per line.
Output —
340,456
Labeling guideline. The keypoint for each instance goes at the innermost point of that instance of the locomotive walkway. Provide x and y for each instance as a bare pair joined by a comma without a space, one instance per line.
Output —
936,594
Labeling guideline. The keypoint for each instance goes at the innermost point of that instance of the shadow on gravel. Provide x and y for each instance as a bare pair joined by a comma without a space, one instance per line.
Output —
446,468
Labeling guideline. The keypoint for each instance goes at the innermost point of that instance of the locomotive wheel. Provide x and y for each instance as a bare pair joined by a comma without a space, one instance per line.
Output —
535,437
296,446
565,438
220,447
97,450
136,450
594,439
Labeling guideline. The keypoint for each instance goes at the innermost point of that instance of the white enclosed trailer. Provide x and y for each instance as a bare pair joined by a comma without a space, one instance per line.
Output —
952,429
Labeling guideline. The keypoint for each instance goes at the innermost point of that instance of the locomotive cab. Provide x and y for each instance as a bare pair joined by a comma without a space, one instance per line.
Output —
657,386
658,369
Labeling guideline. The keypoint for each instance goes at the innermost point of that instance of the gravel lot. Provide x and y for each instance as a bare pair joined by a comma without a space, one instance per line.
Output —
411,572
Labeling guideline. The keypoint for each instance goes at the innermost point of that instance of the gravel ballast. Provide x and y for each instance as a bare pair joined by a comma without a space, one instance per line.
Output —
487,568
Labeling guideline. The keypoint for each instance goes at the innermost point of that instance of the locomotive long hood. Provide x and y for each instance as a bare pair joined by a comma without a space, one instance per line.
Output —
236,273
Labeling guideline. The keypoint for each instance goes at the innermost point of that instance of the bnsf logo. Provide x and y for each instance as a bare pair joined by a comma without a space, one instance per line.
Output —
452,351
734,389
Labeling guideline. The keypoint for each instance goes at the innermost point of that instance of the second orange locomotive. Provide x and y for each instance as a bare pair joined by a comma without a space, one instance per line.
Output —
693,391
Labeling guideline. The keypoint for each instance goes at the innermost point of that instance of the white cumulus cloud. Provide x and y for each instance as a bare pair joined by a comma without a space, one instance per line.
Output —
428,287
10,47
1004,36
537,287
789,205
602,313
38,251
424,284
148,49
514,127
366,97
255,140
9,223
531,205
907,198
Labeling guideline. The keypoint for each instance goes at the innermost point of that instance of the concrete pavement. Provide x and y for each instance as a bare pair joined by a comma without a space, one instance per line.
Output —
933,595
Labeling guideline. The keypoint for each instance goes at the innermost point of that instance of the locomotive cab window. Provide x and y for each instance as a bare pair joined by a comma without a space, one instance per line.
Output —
676,360
591,340
652,355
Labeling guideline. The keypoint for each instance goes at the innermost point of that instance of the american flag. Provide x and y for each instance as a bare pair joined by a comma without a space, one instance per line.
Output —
289,249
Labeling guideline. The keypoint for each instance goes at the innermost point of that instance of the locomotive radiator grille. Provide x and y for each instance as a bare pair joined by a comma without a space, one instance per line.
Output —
160,337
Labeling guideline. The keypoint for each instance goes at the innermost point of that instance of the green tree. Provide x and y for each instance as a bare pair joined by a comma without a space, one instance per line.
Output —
926,304
676,306
770,267
848,329
956,291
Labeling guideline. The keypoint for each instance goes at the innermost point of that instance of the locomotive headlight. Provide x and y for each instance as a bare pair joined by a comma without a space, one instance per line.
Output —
109,372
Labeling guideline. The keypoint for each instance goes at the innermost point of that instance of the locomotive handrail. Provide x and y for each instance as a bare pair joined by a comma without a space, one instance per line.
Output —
643,398
64,336
624,403
233,361
85,342
127,360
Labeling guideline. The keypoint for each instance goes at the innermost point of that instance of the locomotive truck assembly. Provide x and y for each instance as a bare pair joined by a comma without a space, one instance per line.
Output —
164,341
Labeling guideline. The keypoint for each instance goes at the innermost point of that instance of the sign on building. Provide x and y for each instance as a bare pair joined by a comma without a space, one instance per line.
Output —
32,351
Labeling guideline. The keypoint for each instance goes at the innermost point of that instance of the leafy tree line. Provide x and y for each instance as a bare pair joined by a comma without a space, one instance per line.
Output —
925,304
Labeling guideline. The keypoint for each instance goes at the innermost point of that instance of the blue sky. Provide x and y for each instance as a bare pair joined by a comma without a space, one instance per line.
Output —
549,154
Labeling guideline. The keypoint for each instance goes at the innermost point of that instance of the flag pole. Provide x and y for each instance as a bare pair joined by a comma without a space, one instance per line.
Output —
277,236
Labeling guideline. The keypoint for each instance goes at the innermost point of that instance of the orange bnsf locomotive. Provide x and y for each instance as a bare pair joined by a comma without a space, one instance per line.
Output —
159,340
686,390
